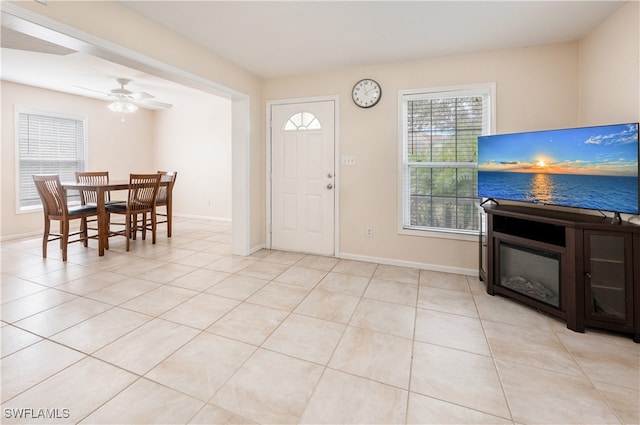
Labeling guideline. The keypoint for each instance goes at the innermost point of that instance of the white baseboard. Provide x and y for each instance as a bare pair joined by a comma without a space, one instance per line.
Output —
412,264
22,235
39,232
203,217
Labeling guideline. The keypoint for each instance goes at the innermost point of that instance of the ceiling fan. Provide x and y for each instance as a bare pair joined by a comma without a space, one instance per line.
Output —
124,96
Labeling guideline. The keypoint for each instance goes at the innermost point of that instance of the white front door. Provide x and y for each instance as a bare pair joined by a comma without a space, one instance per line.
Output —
303,177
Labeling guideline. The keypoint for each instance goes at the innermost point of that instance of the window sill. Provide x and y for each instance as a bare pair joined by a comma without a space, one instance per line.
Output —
38,208
467,236
29,210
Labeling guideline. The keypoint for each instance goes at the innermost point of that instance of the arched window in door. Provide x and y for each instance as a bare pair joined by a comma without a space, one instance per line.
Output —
302,121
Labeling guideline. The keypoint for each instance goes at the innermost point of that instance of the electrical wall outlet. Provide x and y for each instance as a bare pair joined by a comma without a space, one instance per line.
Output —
369,232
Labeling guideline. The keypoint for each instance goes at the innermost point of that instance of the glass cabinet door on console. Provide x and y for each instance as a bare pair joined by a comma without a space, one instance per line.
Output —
483,244
608,278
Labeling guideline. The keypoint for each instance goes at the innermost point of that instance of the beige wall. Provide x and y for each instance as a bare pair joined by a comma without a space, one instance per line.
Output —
110,144
536,88
194,139
610,70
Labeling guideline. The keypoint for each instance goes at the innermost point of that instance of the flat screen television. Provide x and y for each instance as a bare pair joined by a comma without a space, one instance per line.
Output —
589,167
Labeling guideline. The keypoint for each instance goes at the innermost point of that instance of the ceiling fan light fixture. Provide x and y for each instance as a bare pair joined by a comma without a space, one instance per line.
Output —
123,107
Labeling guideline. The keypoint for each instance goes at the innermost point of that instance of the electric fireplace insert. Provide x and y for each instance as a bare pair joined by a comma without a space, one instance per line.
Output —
532,272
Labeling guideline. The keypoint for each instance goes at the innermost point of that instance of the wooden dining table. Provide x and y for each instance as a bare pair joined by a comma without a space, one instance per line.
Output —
101,189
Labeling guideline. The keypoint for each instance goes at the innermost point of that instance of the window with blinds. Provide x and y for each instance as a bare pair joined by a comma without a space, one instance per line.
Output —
47,144
440,136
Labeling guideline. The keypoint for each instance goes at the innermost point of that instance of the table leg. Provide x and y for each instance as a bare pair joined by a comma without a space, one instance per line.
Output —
103,224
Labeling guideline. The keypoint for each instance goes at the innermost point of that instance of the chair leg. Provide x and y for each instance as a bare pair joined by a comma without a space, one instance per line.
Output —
169,219
65,238
144,226
61,231
127,229
135,227
153,227
45,237
83,231
108,224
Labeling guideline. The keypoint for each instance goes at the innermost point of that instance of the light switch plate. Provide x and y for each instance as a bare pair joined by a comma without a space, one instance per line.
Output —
348,160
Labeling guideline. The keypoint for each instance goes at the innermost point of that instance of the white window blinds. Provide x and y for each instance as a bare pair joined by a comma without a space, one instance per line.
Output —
47,144
441,130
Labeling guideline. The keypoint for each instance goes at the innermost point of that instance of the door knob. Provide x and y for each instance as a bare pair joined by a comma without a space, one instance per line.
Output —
329,186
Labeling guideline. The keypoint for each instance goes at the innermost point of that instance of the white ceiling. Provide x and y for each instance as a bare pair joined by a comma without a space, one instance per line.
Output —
283,38
89,76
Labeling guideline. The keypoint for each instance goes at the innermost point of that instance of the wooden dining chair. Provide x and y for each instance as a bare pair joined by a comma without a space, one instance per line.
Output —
165,199
54,204
88,197
141,201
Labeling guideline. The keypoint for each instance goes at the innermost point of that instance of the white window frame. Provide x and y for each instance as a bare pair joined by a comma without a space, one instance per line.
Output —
34,111
486,89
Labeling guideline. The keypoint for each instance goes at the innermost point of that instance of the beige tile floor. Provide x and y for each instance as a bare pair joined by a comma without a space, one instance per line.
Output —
183,332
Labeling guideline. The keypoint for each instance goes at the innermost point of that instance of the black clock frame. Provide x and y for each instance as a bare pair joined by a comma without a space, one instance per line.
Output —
353,93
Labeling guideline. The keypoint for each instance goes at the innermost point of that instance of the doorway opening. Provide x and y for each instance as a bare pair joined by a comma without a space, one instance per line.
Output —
43,28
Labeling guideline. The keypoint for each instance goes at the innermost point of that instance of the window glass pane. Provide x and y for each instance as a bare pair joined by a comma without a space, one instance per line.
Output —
444,181
434,212
302,121
443,212
419,131
420,211
466,182
444,129
420,181
467,217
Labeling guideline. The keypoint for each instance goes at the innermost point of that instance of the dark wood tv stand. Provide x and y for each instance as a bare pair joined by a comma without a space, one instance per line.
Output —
597,281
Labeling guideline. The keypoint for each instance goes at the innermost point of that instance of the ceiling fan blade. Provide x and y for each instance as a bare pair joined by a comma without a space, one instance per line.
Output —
142,95
138,98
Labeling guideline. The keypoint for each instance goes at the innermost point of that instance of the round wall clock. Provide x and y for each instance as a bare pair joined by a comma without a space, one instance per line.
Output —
366,93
